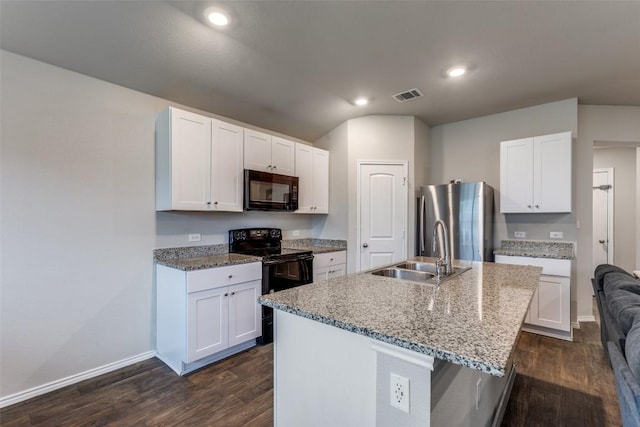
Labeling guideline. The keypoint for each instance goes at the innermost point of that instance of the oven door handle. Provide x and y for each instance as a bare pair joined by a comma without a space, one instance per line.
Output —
285,261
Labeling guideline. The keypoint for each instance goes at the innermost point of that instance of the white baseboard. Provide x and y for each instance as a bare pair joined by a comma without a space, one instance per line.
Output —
73,379
586,318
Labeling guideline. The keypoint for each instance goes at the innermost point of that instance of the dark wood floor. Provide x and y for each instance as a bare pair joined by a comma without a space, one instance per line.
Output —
558,384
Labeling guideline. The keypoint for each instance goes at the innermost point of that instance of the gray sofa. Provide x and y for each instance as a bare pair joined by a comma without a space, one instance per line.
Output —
618,297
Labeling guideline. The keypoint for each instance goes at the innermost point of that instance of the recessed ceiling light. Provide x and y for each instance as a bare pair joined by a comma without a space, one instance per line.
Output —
217,17
456,71
361,101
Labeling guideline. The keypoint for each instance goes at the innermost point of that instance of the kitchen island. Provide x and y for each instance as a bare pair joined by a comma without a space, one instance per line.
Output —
370,350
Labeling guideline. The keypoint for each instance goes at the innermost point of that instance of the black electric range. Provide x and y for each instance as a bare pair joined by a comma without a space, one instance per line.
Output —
282,268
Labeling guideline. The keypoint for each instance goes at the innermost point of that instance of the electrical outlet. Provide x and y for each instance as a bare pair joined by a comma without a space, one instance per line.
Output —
399,392
520,234
556,235
195,237
296,233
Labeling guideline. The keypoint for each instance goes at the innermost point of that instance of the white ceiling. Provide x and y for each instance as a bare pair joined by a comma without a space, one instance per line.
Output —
295,66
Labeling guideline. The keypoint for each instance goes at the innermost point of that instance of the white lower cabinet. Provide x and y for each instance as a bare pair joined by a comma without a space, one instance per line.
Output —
329,265
550,310
206,315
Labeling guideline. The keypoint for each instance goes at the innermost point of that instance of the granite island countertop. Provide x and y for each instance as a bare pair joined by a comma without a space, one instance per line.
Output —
472,320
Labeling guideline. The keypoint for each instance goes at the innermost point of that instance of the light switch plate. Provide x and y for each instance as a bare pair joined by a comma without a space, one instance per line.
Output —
520,234
556,235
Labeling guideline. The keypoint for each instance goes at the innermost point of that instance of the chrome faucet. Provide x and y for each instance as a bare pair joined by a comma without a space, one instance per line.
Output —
434,246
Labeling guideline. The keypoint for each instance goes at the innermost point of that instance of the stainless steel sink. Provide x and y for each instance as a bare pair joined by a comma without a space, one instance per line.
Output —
417,271
429,267
400,273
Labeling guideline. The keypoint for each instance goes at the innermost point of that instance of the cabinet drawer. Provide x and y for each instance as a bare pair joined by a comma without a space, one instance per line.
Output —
330,258
211,278
552,267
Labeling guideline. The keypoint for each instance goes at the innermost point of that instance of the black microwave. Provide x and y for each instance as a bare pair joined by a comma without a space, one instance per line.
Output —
265,191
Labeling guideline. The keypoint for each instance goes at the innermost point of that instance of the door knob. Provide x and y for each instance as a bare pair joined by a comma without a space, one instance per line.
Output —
600,241
365,245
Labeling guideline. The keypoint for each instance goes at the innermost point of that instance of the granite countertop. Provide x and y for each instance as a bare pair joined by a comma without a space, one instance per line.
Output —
211,256
317,246
472,320
536,249
208,261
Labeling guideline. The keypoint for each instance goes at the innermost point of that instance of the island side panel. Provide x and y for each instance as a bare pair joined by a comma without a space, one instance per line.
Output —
323,376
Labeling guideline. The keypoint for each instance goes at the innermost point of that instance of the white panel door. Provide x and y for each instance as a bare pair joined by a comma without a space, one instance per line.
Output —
245,320
207,319
602,217
282,156
227,166
516,176
382,218
190,160
552,173
257,151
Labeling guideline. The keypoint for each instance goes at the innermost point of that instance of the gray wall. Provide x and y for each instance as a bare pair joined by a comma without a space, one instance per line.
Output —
78,223
625,194
377,137
470,150
597,125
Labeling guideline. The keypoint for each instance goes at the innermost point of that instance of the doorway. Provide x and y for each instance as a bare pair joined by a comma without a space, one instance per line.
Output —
603,219
382,206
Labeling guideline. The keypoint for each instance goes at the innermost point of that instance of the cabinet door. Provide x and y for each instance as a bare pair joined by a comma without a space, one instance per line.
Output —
282,156
320,181
552,173
320,274
245,320
257,151
304,171
516,176
551,302
190,160
208,327
227,166
337,271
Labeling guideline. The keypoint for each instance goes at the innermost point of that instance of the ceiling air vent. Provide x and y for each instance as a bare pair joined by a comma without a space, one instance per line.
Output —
408,95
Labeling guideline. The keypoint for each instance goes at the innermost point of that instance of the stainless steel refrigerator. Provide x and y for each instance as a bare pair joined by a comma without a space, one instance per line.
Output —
467,210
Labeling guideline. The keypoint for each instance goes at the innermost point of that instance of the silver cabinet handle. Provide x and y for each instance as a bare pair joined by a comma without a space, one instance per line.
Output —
529,206
600,241
537,206
230,276
365,245
226,294
233,293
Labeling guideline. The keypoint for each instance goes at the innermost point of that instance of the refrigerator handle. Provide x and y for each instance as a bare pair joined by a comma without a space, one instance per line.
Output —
422,213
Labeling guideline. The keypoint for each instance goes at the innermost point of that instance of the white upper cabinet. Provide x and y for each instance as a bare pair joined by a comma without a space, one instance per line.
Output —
535,174
283,154
198,163
312,167
266,153
227,167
